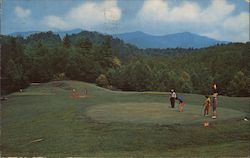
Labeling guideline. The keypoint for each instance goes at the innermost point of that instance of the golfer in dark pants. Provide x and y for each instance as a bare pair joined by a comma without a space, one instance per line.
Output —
215,94
172,98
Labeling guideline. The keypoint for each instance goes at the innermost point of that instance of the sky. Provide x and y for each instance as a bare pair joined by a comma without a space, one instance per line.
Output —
226,20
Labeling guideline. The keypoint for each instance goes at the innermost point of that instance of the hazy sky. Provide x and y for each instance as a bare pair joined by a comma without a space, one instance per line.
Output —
220,19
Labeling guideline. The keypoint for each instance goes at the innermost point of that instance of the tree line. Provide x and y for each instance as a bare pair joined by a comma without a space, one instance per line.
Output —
111,63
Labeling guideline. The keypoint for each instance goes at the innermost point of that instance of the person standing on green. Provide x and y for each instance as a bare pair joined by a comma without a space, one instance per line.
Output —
214,101
172,98
206,105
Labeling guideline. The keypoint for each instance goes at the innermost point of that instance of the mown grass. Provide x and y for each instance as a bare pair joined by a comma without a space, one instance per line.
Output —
47,112
155,113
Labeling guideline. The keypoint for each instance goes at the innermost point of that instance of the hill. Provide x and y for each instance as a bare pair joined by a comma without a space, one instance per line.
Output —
60,33
69,32
23,34
181,40
86,56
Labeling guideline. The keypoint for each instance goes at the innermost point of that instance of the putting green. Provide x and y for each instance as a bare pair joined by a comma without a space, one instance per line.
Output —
154,113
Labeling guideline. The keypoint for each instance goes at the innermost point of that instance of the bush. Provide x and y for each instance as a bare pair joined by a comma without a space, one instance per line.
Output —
102,81
59,77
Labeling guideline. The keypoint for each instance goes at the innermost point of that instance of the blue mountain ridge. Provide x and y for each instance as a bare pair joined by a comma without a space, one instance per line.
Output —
181,40
143,40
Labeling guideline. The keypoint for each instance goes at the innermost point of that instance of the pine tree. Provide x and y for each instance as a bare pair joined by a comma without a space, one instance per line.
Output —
66,41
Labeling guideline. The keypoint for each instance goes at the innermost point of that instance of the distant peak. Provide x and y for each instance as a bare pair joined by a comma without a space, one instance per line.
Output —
77,29
137,32
185,33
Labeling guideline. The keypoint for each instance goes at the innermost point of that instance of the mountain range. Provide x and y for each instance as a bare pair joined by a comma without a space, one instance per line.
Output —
182,40
143,40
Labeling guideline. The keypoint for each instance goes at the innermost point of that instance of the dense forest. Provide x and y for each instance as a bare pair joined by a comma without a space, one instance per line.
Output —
110,63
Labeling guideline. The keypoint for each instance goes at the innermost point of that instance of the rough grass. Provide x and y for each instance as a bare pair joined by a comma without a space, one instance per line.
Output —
64,128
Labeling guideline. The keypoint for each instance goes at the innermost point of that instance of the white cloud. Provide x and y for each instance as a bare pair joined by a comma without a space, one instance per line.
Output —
55,21
159,10
240,22
21,12
156,10
234,28
217,20
217,11
185,12
213,34
89,14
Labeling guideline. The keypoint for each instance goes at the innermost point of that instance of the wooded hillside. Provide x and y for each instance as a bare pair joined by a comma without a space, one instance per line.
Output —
109,62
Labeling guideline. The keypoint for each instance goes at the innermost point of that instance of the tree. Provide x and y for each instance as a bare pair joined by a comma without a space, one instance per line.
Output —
13,61
59,60
103,55
185,83
82,67
240,85
106,53
116,62
85,44
102,81
135,76
66,41
201,79
41,69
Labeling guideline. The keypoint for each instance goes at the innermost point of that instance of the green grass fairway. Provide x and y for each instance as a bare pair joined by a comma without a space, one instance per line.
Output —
45,120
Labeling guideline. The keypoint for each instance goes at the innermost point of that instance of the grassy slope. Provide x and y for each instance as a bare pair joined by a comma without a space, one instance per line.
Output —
48,112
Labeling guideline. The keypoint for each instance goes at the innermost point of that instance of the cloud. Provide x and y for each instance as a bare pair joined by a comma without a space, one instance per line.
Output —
215,34
240,22
22,13
217,11
55,22
238,27
159,10
185,13
217,20
156,10
89,14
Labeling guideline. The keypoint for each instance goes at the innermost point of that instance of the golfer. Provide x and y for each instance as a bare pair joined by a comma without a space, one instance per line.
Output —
215,94
172,98
214,105
206,105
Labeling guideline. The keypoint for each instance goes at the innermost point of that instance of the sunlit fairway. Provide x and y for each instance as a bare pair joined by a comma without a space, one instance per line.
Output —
45,120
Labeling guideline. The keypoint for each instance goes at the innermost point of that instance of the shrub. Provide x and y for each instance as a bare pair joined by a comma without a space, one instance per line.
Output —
102,81
59,77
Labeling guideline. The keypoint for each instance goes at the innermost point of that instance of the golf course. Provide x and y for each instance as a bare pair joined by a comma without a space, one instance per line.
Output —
46,120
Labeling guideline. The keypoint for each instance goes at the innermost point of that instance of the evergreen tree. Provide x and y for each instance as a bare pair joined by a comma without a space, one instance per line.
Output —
66,41
13,72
